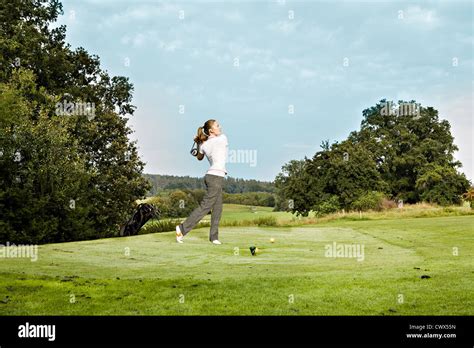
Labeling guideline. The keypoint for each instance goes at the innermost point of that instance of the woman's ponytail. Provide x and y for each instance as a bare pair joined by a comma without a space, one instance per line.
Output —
201,136
203,132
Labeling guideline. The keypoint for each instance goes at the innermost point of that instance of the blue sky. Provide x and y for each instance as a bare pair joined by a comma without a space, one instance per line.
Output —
280,76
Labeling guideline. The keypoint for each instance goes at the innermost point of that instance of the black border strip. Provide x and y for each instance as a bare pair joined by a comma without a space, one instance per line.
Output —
224,330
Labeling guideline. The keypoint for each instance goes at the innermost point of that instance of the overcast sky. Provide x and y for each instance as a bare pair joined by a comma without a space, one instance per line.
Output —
279,76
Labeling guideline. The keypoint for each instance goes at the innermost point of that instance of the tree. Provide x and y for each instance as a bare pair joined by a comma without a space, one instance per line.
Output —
73,77
441,185
346,170
293,185
404,143
43,191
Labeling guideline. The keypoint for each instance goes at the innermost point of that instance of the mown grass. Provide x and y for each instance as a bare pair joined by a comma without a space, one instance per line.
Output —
153,275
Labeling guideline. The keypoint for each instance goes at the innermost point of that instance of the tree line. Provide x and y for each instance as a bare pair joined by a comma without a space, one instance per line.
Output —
231,185
400,156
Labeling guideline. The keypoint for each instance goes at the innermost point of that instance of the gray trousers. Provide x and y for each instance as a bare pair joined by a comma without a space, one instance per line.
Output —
212,200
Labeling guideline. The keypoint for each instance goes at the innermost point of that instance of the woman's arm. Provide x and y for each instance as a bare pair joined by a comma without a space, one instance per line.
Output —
200,155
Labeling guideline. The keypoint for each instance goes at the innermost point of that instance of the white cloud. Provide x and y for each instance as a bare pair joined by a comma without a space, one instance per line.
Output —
151,38
142,13
169,46
136,40
259,77
233,16
424,18
307,73
287,62
285,27
322,35
225,52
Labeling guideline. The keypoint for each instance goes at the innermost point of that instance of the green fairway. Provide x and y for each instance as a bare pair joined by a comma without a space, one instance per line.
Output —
238,212
153,275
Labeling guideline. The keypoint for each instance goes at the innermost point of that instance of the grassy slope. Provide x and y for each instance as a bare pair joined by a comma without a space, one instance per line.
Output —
158,275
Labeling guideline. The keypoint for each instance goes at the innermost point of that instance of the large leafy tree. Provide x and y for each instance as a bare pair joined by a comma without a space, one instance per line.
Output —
28,42
406,145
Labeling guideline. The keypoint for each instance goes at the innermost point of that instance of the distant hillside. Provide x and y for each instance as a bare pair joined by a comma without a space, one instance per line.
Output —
231,185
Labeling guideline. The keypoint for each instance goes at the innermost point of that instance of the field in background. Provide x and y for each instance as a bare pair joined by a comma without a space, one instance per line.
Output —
410,266
243,215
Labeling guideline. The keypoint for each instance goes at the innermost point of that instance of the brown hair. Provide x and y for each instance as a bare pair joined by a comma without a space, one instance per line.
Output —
203,132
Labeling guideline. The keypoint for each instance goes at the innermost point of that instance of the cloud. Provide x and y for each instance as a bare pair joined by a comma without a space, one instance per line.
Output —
233,16
307,73
322,35
151,38
259,77
169,46
144,12
287,62
425,18
136,40
285,27
225,52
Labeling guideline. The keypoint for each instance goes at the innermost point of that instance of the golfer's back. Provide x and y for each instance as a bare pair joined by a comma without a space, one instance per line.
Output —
216,149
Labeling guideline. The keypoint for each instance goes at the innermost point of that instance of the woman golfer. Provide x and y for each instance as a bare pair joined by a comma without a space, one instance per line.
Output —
212,143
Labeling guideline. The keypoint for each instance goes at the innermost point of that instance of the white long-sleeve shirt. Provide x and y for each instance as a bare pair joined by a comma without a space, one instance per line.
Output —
216,149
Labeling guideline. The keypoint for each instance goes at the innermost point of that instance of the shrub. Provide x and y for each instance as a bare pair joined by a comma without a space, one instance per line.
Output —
328,206
387,204
371,200
266,221
469,197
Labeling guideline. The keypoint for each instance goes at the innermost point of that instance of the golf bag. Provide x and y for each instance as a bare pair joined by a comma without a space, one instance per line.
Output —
143,213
